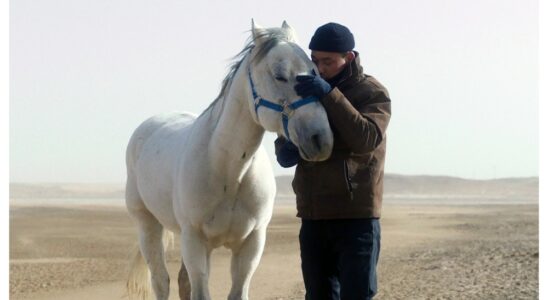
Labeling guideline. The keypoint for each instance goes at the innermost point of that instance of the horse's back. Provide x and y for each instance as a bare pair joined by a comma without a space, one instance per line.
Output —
150,126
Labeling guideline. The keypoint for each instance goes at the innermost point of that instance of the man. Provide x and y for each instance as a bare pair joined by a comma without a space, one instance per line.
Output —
339,200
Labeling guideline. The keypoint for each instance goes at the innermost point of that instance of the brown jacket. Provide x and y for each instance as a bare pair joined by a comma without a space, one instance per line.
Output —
350,183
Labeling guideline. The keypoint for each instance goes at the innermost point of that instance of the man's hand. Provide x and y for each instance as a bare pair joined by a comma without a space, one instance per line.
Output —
287,154
312,85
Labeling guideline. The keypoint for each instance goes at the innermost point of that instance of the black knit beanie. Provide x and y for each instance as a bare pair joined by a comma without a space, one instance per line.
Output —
332,37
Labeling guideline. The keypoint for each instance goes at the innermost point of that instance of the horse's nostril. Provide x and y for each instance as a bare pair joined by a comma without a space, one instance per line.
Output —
316,141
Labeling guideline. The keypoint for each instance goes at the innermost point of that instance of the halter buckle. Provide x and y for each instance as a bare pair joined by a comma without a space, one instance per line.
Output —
287,110
256,100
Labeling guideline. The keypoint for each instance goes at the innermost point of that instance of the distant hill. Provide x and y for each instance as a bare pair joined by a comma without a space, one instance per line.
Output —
65,190
409,186
395,187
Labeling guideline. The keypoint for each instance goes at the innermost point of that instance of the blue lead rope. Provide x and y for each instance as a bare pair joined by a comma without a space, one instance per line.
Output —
285,109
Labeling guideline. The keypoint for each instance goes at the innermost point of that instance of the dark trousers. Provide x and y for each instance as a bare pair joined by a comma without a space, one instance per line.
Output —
339,258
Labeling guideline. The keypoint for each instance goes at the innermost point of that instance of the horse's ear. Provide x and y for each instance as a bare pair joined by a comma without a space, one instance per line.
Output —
258,32
285,25
291,34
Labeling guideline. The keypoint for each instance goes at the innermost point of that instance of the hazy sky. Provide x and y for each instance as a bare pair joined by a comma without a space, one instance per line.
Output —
462,76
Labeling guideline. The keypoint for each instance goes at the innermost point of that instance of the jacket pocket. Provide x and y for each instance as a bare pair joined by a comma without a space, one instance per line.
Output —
348,179
332,180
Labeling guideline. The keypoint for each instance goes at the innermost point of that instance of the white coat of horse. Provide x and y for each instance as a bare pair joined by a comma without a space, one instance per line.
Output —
209,179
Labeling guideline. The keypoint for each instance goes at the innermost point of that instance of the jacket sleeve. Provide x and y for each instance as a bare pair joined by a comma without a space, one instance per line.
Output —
363,127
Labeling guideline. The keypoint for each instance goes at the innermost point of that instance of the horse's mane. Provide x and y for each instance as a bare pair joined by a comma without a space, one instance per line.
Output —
270,38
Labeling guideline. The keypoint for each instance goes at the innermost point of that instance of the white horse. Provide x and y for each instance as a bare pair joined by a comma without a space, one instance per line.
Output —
208,178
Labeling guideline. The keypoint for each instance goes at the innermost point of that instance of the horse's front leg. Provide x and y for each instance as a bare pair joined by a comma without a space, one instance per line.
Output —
196,256
245,260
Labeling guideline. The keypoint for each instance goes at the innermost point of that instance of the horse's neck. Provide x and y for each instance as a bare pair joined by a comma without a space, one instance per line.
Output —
235,136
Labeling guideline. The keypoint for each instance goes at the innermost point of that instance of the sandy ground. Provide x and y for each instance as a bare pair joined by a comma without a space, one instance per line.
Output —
428,252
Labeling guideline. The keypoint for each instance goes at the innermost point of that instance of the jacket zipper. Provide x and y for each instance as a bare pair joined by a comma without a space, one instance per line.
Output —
347,179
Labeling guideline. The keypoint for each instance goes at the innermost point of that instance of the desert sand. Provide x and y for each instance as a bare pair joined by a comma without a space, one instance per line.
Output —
428,252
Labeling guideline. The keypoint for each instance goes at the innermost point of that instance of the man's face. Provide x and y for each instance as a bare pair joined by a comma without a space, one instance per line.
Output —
329,64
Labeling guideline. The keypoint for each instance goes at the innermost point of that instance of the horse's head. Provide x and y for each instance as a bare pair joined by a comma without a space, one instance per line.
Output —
275,61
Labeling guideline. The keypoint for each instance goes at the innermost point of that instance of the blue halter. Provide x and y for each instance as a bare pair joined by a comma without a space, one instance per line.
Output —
286,109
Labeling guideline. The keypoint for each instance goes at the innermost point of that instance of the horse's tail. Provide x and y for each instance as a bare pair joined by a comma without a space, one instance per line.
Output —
139,286
138,283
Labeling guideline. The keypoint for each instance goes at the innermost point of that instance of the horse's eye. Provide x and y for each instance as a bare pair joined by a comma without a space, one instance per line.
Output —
280,78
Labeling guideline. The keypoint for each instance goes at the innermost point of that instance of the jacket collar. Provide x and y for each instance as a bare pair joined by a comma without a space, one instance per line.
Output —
351,74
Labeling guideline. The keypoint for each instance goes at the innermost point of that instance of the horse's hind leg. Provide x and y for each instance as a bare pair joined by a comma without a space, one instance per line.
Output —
152,248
